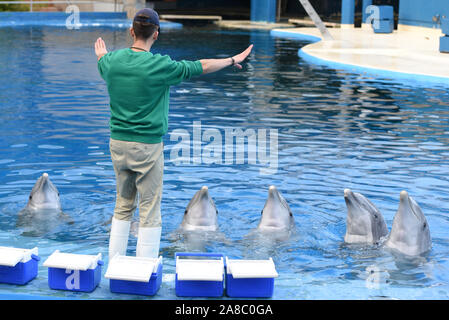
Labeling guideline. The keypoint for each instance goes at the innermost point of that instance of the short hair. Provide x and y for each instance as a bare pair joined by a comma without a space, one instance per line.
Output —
144,30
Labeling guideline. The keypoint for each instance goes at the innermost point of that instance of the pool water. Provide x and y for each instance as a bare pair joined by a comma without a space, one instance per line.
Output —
336,130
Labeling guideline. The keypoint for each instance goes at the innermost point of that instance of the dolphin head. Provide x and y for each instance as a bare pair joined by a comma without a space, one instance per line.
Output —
364,223
44,195
276,213
201,212
410,232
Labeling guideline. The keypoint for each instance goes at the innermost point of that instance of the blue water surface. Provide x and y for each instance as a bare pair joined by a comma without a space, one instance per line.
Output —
336,130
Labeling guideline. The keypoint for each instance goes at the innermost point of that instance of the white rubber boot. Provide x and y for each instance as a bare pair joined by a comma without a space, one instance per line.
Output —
118,240
148,241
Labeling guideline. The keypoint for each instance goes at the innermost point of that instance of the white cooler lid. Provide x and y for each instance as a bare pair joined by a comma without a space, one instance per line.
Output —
201,270
72,261
130,268
251,268
11,256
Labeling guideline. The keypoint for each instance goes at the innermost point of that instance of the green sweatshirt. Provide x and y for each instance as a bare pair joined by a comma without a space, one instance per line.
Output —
138,85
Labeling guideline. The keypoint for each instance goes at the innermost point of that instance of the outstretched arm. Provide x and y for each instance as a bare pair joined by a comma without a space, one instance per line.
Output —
213,65
100,48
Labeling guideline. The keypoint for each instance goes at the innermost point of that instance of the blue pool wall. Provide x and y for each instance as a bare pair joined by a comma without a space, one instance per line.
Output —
347,12
263,10
31,16
58,19
421,12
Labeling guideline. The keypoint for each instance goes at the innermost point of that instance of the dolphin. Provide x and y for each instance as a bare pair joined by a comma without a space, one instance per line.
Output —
43,210
410,232
364,223
276,214
201,212
44,195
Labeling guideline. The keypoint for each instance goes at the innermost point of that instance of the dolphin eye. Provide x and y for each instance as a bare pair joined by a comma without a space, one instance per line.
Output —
216,211
30,197
261,212
185,212
375,216
424,226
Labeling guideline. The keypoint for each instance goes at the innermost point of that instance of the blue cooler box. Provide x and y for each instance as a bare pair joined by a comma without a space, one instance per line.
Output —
386,13
383,26
18,266
444,44
199,277
250,278
73,272
134,275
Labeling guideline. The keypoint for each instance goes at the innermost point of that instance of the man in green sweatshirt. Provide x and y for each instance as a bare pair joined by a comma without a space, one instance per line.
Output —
138,84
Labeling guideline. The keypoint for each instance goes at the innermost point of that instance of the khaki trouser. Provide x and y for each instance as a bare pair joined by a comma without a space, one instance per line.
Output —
138,170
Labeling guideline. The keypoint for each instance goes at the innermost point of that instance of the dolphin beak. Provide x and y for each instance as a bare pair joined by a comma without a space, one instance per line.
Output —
406,201
204,192
350,198
274,196
403,196
45,179
347,193
272,192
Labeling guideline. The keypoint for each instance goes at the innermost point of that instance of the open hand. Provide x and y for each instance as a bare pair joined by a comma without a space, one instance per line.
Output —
241,57
100,48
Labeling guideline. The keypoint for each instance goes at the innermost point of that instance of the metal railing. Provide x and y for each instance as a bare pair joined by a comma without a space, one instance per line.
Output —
68,2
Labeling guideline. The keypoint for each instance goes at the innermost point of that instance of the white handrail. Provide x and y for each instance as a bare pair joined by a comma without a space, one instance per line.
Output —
316,19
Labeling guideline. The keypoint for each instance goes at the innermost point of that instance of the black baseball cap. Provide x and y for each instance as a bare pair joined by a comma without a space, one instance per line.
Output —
148,15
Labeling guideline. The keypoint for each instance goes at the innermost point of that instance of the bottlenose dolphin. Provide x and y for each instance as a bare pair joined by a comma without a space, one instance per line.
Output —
364,223
44,195
410,232
43,210
276,214
201,212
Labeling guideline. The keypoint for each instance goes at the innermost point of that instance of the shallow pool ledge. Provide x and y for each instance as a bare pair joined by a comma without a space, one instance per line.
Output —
62,19
411,55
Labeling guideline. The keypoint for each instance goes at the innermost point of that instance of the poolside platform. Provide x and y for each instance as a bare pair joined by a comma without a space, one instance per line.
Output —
180,17
251,25
310,23
410,52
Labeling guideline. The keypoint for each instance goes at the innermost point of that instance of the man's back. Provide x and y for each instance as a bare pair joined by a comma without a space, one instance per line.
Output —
138,85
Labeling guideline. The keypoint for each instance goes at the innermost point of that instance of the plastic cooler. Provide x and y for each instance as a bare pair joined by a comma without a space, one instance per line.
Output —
383,26
444,44
134,275
250,278
73,272
18,266
384,23
199,276
386,12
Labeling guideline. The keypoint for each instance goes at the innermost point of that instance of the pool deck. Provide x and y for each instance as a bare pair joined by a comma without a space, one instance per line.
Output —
251,25
410,52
